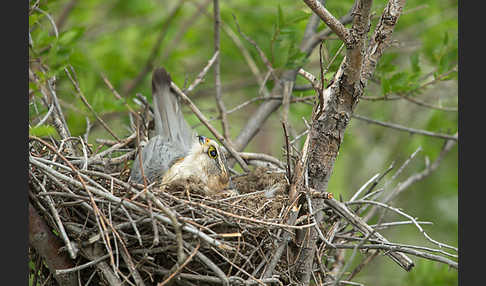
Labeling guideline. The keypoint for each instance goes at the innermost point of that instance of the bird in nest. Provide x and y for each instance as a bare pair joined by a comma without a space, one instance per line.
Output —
175,152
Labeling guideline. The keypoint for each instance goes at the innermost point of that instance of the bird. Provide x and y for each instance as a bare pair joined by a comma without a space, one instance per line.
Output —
175,152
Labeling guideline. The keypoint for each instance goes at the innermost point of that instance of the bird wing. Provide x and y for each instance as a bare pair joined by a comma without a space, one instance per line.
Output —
173,136
157,157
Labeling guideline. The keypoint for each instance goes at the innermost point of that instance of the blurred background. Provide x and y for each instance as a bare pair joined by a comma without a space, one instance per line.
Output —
120,39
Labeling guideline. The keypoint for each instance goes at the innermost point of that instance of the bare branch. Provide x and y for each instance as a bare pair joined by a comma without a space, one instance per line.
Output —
381,37
357,222
217,71
206,123
85,101
333,23
203,73
155,51
407,129
47,245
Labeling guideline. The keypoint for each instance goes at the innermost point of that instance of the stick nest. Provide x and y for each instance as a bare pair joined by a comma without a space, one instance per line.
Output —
175,233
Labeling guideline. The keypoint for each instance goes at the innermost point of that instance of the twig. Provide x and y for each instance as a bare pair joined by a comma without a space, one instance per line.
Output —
440,244
425,104
51,108
249,60
362,226
83,99
289,175
239,268
420,176
71,250
213,130
259,50
402,186
238,216
154,52
179,269
403,250
131,205
217,71
334,24
83,266
50,20
363,187
128,261
406,129
262,157
401,245
203,73
350,260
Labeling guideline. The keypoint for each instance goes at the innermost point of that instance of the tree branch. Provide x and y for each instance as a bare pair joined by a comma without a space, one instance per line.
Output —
47,246
336,26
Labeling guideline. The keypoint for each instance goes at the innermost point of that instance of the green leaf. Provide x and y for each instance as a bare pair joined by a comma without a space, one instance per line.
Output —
71,35
296,59
415,62
443,65
446,39
398,82
299,18
280,17
385,86
42,131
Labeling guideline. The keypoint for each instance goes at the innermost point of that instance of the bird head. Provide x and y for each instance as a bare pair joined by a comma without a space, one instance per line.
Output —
209,155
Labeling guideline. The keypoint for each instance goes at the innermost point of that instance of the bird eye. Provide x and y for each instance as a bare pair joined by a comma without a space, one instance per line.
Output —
212,153
201,139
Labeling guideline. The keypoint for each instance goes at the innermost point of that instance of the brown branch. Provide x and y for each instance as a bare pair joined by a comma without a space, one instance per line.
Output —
334,24
179,269
381,38
258,118
217,72
85,101
327,131
47,245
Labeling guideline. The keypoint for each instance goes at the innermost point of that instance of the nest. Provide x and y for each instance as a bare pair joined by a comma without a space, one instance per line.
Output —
172,233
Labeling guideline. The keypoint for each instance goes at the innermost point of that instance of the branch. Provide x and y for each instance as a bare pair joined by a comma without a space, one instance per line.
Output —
85,101
203,73
204,120
336,26
381,38
403,250
217,71
407,129
401,259
47,245
155,51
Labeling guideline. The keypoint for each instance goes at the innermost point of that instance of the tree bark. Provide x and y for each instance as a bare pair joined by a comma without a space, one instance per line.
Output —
327,130
47,246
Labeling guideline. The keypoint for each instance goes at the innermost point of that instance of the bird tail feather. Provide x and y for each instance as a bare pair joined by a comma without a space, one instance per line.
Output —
168,117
